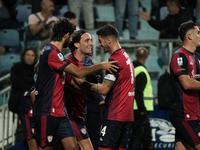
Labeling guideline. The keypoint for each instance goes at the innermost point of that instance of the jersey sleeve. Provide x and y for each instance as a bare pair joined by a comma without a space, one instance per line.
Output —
57,61
113,72
179,65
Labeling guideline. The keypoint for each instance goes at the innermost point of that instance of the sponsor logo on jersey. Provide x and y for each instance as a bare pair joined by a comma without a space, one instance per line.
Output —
131,93
180,61
50,138
60,56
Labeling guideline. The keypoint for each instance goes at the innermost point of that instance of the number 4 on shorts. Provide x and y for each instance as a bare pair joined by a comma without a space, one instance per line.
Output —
103,131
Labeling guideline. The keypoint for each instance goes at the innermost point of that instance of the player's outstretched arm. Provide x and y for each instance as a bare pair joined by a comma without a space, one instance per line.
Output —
84,71
103,88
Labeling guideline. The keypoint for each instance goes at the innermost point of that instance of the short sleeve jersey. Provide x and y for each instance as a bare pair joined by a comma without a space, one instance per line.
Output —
50,83
75,102
119,100
185,103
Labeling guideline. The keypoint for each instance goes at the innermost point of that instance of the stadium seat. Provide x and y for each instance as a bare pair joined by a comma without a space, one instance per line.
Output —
104,13
10,38
23,12
61,9
6,62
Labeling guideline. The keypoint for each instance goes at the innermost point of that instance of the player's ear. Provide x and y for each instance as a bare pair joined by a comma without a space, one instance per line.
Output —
108,40
189,36
76,45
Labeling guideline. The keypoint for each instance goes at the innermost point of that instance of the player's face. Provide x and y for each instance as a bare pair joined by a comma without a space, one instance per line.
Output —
29,57
67,41
196,36
85,44
103,43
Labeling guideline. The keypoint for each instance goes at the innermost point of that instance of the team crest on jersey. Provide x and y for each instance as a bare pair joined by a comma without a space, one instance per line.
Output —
83,130
60,56
50,138
180,61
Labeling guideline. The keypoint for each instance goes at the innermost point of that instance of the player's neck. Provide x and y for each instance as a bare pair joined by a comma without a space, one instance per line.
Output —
190,47
114,47
58,44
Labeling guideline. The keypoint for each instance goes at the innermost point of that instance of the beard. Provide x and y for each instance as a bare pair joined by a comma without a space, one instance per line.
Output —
66,43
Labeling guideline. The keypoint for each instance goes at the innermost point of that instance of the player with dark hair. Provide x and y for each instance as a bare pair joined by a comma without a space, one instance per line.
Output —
81,48
119,90
49,111
185,72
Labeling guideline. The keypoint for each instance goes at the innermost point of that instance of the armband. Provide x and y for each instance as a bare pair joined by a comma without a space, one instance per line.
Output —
110,77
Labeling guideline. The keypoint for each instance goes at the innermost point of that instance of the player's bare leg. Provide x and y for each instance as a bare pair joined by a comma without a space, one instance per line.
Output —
85,144
32,145
70,143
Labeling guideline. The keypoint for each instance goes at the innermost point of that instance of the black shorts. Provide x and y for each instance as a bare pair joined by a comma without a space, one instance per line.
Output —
79,129
114,134
50,128
28,126
188,131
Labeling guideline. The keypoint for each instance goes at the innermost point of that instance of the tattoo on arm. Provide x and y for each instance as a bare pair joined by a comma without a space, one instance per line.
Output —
108,83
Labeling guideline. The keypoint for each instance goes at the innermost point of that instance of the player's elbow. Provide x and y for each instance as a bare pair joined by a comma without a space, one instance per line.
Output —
186,86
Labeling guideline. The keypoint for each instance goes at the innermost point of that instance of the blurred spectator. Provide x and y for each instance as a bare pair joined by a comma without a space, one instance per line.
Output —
72,17
86,8
198,13
21,77
40,25
132,8
8,15
169,25
156,5
22,74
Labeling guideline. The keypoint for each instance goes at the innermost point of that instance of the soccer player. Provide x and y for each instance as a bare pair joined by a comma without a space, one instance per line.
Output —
185,73
51,119
119,90
81,49
26,117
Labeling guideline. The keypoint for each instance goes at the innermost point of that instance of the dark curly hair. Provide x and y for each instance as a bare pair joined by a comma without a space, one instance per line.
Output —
23,52
76,38
62,27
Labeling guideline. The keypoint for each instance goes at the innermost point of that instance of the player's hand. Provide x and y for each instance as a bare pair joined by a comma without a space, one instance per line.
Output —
145,15
109,66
